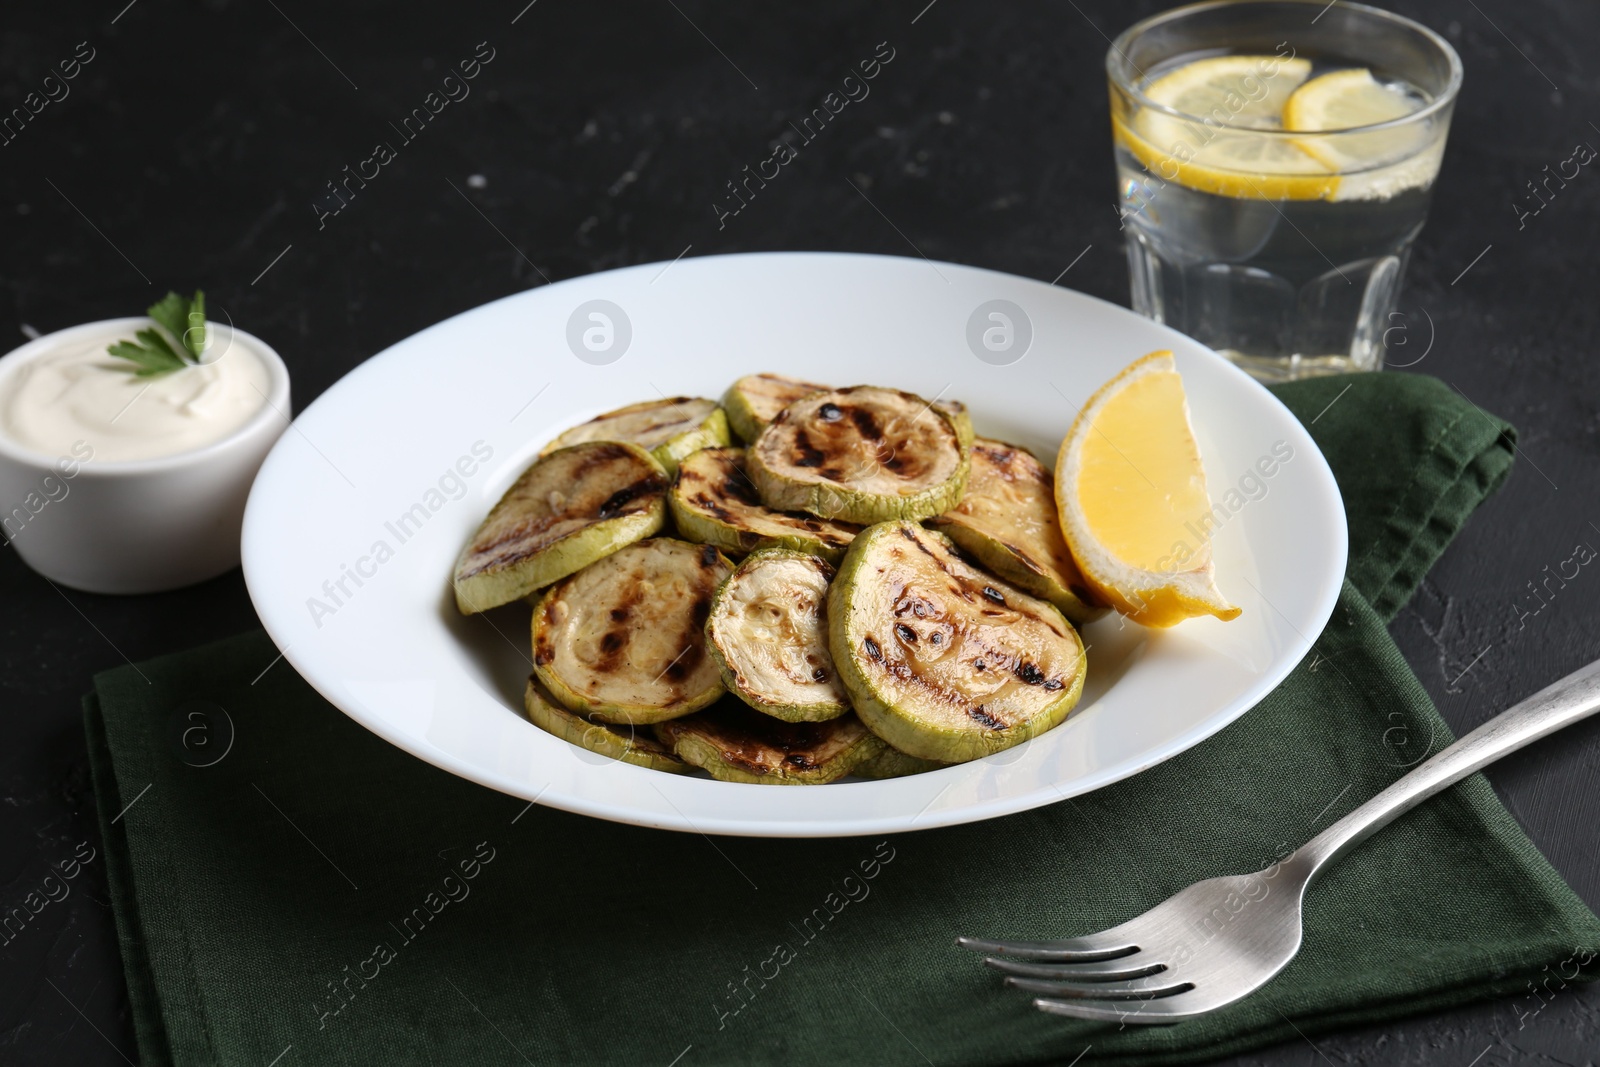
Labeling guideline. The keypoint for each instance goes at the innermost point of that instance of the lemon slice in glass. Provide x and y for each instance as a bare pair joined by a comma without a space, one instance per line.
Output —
1236,90
1345,100
1214,151
1132,496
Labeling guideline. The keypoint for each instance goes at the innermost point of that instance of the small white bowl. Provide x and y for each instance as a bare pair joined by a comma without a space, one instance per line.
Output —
136,526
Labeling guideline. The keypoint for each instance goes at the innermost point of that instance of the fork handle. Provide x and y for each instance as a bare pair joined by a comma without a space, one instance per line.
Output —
1574,697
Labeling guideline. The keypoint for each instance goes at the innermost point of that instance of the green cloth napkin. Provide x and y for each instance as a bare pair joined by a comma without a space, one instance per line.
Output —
316,896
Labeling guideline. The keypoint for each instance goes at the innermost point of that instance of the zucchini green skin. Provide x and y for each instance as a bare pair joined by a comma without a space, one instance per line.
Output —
863,509
892,763
660,618
641,750
732,743
972,730
712,433
713,503
722,641
791,469
479,586
753,400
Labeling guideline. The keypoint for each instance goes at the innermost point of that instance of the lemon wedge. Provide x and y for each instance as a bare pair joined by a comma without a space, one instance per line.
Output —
1344,100
1132,496
1209,151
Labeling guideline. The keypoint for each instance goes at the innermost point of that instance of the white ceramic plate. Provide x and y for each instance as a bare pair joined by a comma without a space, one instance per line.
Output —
357,516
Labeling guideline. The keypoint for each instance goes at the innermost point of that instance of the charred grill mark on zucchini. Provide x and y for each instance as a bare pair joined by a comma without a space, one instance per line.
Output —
602,452
1000,456
736,484
866,424
617,503
806,454
694,649
976,712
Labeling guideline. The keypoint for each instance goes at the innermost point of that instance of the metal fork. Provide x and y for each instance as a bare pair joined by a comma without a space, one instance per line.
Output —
1221,939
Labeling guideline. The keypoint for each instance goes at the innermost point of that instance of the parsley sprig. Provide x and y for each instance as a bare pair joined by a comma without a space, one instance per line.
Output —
157,353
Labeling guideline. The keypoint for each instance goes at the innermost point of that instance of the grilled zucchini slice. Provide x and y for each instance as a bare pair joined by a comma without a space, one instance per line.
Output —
570,508
737,744
941,660
623,640
892,763
755,400
1007,521
627,745
863,454
768,632
669,429
715,503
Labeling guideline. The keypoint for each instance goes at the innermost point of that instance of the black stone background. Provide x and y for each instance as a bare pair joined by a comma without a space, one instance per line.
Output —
192,147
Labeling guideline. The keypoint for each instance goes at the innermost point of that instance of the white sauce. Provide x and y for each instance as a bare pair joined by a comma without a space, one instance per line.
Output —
76,391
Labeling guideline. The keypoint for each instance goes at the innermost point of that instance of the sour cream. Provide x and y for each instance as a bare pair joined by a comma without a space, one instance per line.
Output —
77,392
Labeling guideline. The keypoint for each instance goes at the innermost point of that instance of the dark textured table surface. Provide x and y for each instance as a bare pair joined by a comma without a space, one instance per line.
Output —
195,144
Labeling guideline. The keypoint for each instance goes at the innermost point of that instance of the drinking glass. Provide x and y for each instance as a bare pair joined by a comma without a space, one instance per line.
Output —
1282,249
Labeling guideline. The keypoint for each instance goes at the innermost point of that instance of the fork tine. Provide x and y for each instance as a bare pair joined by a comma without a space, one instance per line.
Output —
1101,971
1137,1013
1132,989
1068,950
